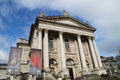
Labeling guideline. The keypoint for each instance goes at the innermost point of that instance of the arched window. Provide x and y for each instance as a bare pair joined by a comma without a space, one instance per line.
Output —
53,61
69,62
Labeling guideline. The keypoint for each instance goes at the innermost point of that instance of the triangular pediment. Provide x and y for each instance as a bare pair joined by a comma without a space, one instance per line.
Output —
69,22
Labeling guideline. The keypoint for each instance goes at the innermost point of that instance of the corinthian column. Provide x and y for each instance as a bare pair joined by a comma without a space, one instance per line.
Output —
97,54
62,52
81,53
93,53
45,51
39,41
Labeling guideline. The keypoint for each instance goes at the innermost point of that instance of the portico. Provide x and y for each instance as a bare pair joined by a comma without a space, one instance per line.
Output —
46,55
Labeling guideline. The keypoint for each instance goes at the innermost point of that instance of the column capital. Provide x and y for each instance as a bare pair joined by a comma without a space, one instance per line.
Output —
46,30
60,32
89,37
79,34
40,29
93,37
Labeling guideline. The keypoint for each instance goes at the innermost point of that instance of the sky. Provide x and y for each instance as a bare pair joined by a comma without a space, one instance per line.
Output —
16,17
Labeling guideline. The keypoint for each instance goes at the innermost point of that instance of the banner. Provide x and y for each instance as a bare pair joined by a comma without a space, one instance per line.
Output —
35,61
14,60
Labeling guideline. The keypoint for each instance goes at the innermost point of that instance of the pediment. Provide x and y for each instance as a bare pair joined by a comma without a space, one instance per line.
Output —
69,22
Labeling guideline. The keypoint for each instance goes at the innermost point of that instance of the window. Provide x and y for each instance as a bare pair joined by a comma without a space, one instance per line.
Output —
67,45
51,43
52,61
69,62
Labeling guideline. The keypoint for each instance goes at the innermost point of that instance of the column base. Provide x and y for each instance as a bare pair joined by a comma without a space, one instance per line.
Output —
47,70
47,75
30,77
65,74
11,77
86,71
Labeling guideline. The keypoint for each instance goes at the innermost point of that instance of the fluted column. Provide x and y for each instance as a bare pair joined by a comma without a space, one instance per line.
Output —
81,53
97,54
45,50
62,52
93,53
39,41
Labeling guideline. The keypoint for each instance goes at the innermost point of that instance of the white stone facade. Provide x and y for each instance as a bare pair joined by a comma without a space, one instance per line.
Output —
68,47
81,58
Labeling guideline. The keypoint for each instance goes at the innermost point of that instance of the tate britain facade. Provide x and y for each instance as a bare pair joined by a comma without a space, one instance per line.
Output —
66,46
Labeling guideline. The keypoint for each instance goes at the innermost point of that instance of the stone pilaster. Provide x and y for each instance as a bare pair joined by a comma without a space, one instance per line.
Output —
81,53
34,41
97,54
39,41
93,53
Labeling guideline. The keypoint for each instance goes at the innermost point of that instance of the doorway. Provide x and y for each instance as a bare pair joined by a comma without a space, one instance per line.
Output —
71,73
24,77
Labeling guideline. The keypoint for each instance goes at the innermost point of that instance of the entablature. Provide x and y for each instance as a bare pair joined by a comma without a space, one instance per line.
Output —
67,29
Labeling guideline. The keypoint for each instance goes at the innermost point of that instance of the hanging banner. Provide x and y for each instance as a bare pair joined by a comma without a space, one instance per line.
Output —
14,60
35,61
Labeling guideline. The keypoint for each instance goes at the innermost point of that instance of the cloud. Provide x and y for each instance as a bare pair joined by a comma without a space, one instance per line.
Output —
4,42
1,24
3,57
102,14
33,4
4,9
3,1
26,31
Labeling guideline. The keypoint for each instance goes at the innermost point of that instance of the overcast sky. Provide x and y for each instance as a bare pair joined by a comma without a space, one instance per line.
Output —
16,17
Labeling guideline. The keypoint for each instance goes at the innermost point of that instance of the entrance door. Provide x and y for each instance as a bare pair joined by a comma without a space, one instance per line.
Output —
24,77
71,73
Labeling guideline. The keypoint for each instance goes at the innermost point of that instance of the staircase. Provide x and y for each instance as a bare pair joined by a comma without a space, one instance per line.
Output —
96,77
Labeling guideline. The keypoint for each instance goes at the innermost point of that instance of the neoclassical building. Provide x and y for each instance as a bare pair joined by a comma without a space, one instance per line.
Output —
68,46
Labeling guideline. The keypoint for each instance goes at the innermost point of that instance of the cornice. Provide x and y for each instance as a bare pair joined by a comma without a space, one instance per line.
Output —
22,44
